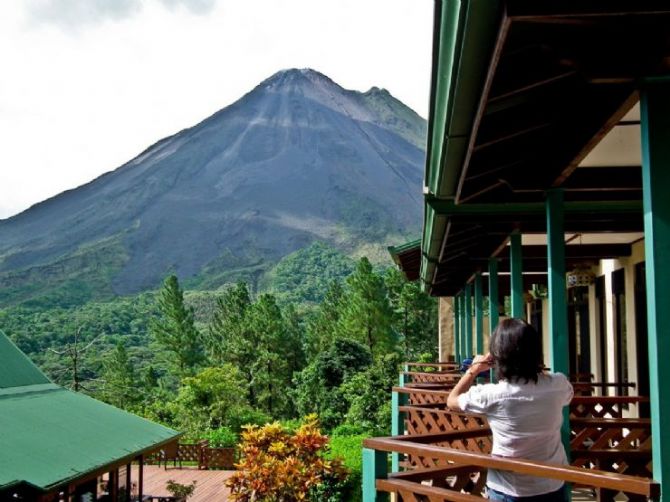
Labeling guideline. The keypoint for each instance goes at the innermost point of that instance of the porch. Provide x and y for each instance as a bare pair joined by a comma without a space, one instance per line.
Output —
545,199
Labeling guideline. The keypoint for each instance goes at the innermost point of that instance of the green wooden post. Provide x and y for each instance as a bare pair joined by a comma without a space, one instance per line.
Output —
468,321
655,120
457,328
463,318
516,273
493,294
479,314
375,466
398,399
558,308
493,302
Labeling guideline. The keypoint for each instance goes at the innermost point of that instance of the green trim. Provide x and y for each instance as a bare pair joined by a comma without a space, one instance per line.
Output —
655,122
468,320
479,314
516,275
375,466
396,251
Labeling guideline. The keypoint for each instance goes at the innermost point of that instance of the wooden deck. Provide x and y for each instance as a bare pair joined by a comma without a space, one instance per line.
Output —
209,487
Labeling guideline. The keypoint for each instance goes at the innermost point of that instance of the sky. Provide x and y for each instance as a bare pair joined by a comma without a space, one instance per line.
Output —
87,85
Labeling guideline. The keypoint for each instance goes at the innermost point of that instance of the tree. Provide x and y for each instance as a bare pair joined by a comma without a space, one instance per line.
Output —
118,375
317,387
211,398
263,342
368,393
415,315
227,329
175,329
366,312
322,329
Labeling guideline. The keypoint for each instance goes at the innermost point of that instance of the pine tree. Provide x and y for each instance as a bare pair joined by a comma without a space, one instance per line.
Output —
367,315
322,329
119,378
175,329
227,330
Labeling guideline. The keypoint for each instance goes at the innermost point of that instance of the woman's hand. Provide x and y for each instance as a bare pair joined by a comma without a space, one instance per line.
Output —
481,363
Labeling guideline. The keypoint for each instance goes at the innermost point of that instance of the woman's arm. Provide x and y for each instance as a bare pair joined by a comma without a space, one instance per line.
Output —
479,364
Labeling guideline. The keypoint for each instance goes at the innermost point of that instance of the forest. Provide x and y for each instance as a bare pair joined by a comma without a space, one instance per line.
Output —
209,362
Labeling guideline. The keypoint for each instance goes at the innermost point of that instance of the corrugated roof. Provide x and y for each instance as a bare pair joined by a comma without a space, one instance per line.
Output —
50,435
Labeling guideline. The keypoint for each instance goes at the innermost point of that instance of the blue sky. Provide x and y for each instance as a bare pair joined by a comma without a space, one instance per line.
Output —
88,84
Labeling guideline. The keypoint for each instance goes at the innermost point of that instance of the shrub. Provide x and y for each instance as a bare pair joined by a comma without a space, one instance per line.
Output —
223,437
180,491
349,447
277,466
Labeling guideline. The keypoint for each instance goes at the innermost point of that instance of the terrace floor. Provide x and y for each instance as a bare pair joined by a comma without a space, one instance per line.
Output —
209,487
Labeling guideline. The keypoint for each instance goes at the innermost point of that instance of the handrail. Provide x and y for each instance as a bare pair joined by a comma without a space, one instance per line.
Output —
598,479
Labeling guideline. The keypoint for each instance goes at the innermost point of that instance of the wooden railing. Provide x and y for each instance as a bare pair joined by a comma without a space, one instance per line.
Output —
454,474
200,453
601,441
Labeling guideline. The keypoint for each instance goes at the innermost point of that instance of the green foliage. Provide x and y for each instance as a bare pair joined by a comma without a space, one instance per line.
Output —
318,385
322,328
175,330
118,375
349,448
180,491
223,437
366,314
209,399
415,315
263,342
369,392
305,275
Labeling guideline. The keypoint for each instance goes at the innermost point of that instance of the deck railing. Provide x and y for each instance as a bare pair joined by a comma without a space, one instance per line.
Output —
611,454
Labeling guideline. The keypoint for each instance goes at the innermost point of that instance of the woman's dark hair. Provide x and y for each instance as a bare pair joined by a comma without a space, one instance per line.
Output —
517,351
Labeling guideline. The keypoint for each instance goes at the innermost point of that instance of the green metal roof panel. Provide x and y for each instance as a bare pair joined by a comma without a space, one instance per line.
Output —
403,248
49,435
16,370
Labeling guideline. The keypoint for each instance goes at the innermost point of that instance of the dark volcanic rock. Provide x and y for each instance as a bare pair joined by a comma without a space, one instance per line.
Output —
296,159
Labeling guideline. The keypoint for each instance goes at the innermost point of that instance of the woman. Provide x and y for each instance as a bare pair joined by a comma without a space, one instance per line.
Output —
524,411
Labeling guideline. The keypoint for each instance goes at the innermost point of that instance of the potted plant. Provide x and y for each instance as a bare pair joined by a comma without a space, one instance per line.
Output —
219,449
180,492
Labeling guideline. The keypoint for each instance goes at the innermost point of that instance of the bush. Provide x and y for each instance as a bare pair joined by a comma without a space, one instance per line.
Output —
223,437
277,466
350,449
247,416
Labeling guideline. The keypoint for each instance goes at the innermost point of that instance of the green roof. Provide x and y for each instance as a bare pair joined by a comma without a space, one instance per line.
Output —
16,369
50,435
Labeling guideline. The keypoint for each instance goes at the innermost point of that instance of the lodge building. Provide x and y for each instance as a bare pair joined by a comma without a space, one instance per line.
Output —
547,197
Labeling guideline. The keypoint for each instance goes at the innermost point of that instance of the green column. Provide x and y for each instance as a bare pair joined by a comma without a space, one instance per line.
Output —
375,466
655,118
516,274
398,399
479,315
457,328
493,294
468,321
463,322
558,307
493,302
